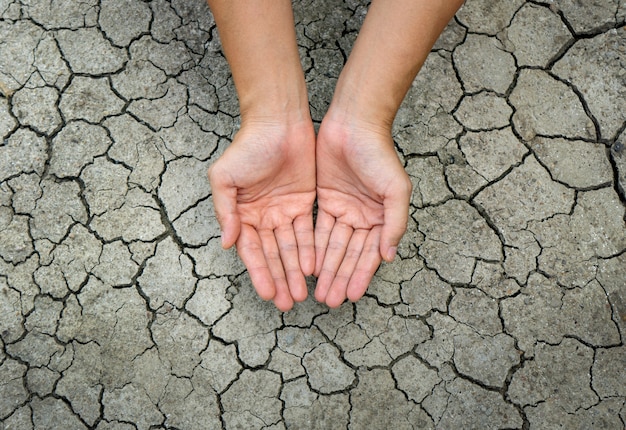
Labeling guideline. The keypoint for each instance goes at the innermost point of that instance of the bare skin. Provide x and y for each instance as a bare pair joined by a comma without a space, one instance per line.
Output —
363,197
266,182
362,189
263,190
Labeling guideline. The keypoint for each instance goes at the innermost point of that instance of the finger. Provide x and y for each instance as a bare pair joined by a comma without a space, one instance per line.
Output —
250,250
225,204
369,261
396,215
282,298
337,245
337,293
288,249
323,227
303,228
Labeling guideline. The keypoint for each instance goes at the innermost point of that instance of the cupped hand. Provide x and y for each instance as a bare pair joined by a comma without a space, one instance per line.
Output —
363,196
263,190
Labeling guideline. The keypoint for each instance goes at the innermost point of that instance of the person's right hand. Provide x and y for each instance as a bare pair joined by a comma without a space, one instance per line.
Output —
363,196
263,190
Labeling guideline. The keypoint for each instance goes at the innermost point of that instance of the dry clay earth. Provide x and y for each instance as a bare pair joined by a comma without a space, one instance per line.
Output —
119,310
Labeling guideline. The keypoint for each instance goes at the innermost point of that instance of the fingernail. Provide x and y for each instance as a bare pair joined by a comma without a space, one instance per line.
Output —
391,253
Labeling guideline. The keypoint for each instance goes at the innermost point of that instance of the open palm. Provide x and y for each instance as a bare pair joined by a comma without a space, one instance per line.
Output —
263,190
363,196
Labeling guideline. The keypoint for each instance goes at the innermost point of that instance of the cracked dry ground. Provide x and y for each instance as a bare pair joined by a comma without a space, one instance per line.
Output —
119,310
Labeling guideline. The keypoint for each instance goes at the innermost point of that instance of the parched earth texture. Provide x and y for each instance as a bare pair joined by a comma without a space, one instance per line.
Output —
119,310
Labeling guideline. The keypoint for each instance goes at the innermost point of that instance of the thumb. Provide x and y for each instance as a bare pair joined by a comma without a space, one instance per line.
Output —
395,218
225,204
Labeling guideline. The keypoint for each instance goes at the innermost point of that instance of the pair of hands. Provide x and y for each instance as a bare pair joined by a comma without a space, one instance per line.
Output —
264,187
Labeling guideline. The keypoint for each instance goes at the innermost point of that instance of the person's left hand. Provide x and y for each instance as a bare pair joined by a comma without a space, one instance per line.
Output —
363,198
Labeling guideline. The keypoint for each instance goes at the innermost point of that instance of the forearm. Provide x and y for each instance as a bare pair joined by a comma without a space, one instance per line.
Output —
259,41
393,44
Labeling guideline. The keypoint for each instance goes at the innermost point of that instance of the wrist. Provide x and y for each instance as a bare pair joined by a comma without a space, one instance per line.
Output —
354,111
275,103
285,114
279,133
356,102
